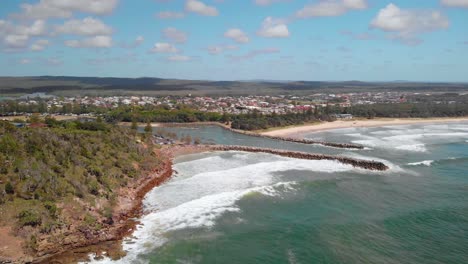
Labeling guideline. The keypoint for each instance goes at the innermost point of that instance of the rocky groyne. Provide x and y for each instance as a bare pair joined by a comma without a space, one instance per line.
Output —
358,163
300,140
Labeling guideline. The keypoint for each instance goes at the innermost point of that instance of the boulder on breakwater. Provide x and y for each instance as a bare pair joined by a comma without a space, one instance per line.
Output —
364,164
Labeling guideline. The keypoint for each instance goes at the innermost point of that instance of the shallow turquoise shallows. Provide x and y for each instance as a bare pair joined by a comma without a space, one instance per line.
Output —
237,207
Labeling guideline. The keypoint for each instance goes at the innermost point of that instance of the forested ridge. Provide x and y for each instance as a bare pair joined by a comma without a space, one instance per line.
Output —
182,114
51,177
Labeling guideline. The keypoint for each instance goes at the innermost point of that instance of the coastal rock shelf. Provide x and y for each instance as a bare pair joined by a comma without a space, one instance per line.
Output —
364,164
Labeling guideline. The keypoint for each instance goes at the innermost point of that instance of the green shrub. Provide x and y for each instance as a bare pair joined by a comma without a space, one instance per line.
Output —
48,226
51,208
29,218
9,189
32,243
93,187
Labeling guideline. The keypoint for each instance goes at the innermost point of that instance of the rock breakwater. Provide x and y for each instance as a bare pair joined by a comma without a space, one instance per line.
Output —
358,163
301,140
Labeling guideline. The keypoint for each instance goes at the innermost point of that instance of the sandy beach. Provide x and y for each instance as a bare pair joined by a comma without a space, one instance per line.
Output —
293,131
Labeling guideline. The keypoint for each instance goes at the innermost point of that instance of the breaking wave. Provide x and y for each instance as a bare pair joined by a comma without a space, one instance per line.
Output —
424,162
412,140
204,190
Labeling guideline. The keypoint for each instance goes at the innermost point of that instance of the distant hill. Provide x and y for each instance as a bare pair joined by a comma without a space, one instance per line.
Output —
68,85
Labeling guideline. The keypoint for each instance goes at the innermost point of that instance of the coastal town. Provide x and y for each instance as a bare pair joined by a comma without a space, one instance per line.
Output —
44,103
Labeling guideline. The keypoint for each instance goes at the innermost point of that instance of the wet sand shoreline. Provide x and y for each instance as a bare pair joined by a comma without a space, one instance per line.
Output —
298,131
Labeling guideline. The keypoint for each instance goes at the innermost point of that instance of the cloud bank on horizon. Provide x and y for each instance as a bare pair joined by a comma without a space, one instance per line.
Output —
421,40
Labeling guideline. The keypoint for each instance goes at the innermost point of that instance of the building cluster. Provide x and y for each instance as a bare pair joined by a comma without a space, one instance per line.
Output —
266,104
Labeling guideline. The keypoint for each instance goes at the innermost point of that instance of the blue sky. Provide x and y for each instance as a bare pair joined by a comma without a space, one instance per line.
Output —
373,40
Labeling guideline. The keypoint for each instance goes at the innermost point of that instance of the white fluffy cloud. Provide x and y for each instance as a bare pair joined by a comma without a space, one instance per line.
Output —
88,26
268,2
53,61
39,45
179,58
406,24
200,8
455,3
93,42
161,47
64,8
137,42
237,35
24,61
217,49
14,36
254,53
37,28
16,41
170,15
325,8
175,35
272,28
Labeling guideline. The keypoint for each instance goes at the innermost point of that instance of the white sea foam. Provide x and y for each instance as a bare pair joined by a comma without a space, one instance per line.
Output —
200,196
199,213
424,162
413,148
413,140
462,128
194,184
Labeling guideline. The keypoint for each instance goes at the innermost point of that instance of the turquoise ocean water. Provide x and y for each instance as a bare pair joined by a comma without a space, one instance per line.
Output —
236,207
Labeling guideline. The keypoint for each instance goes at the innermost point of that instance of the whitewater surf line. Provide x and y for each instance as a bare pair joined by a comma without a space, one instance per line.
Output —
124,219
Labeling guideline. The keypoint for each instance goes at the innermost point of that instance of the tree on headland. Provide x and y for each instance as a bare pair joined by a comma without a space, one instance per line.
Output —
9,189
34,118
225,118
148,127
134,124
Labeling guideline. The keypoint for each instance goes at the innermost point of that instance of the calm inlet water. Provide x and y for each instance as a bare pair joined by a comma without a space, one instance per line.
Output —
237,207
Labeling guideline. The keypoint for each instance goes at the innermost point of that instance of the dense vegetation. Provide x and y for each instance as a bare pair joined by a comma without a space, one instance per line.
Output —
256,121
181,114
49,176
13,106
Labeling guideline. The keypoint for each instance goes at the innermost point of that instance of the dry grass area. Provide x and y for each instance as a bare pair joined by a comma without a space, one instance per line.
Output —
10,245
